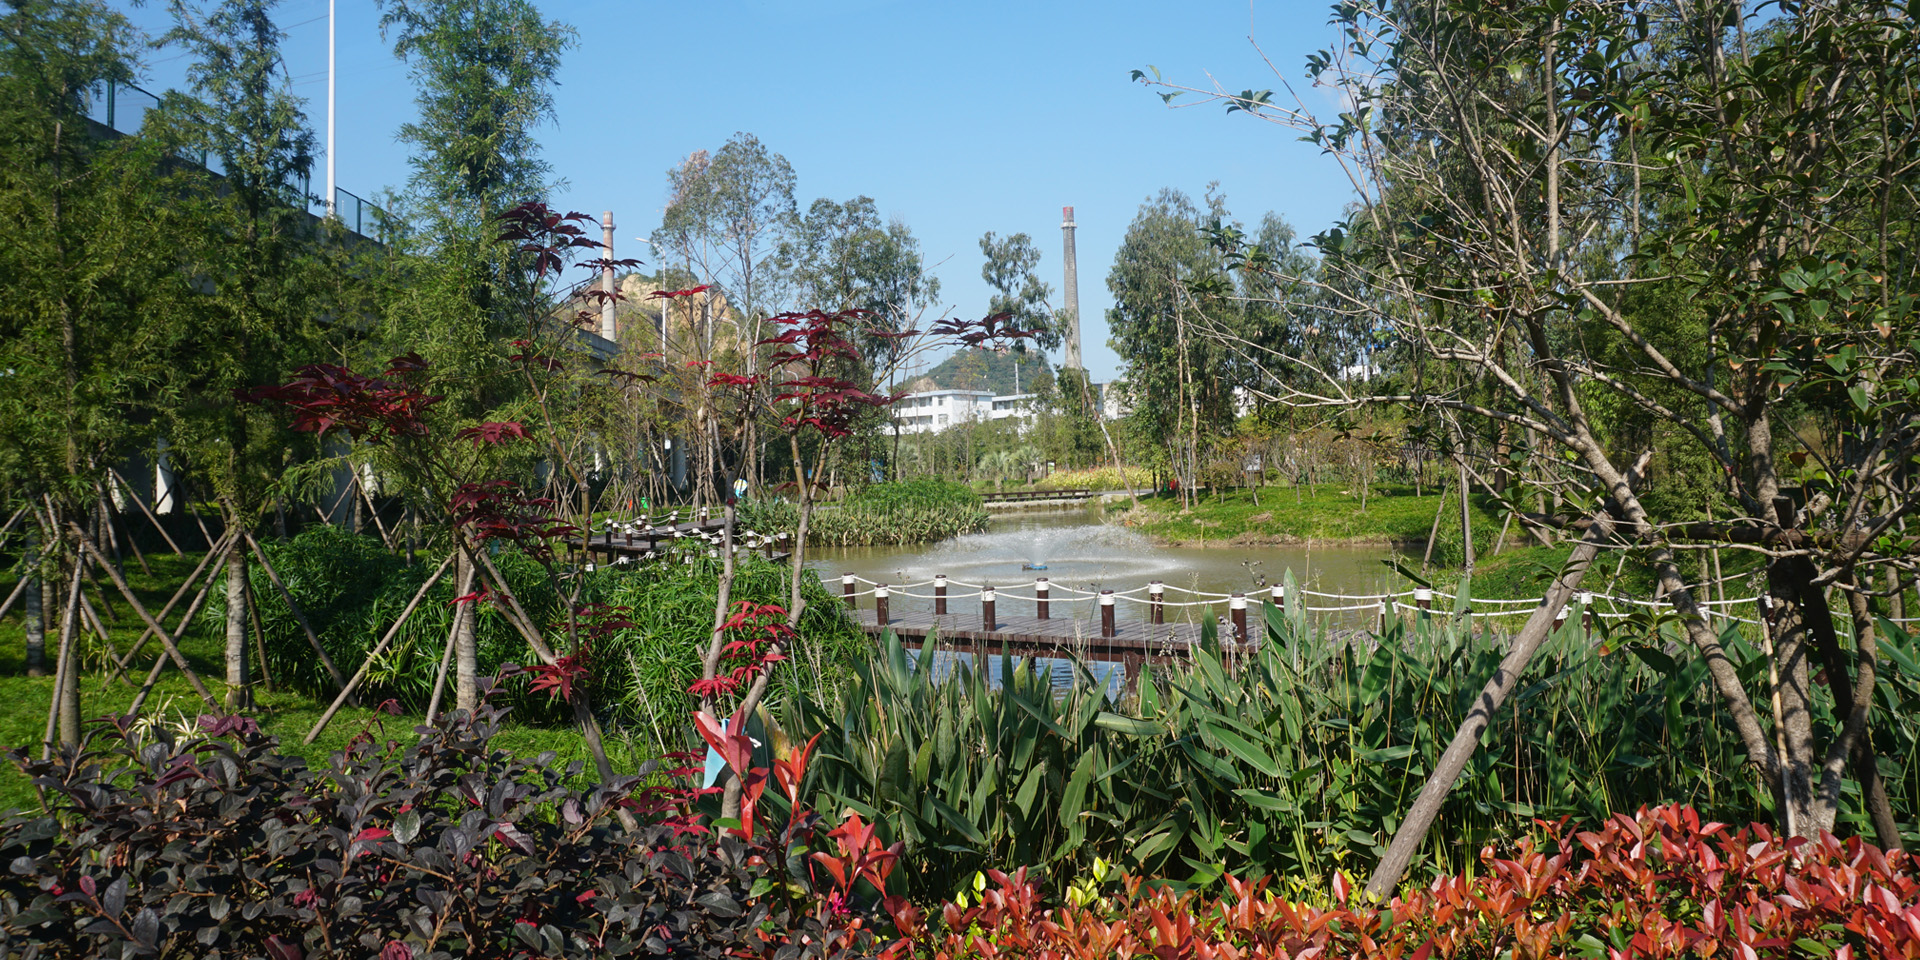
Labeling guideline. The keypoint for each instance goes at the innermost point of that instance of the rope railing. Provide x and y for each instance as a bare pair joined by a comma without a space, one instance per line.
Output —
1145,595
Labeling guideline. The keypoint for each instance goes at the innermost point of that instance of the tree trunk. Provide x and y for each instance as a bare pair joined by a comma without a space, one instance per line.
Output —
67,689
239,682
1466,740
466,653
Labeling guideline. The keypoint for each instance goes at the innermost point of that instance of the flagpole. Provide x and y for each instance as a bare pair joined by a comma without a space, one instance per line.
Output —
331,194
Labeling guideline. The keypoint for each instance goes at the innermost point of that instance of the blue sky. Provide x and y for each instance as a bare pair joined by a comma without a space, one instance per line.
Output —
958,118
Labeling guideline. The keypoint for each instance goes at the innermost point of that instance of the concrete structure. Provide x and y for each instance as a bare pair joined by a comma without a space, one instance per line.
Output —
1072,291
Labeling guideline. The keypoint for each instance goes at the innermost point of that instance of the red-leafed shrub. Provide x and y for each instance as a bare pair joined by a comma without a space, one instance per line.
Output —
1659,884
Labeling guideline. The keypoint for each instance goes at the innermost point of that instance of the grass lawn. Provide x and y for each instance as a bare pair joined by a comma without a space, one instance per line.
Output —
1321,513
1332,513
284,714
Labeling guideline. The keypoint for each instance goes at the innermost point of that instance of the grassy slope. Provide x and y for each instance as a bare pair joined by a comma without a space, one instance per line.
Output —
1331,513
1324,513
284,714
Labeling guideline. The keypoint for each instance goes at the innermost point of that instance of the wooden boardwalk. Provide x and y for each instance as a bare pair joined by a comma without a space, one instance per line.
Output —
1134,642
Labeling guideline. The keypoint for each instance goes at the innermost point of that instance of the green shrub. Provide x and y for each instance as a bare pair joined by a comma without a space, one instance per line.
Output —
1097,478
885,514
643,674
1298,758
352,589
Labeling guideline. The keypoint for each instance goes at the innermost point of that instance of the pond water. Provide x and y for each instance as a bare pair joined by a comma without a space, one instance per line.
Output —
1083,554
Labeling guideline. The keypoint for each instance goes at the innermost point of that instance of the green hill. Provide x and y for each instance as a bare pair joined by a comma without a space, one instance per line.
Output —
983,369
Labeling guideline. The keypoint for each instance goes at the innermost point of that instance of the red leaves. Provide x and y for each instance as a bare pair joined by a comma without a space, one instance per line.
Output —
215,725
862,857
489,434
500,510
1660,882
325,396
543,235
677,294
559,678
757,630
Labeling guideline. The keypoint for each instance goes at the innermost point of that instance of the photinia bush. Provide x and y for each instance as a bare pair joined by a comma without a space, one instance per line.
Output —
1658,884
217,846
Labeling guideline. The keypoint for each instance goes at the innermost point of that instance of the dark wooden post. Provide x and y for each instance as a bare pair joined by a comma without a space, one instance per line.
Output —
1383,617
880,605
846,591
629,532
940,594
1106,613
1585,599
1278,597
1237,607
987,621
1156,603
1040,604
609,537
1423,598
1560,619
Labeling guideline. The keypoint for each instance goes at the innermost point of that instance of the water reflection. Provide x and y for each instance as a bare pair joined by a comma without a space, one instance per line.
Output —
1083,556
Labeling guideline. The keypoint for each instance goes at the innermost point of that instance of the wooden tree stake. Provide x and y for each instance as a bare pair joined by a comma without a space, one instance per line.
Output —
173,649
339,679
380,648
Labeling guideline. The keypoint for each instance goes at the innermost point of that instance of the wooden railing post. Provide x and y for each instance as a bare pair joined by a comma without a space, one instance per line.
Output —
846,591
940,594
1040,604
1106,613
1423,598
1585,599
1237,608
1278,595
987,621
1156,602
880,605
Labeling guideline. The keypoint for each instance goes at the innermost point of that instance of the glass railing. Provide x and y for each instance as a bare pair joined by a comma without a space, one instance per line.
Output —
123,107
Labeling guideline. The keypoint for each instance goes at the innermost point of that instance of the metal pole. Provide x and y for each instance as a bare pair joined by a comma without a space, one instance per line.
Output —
330,106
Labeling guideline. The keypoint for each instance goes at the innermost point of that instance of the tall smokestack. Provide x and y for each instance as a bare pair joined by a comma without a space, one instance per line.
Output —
607,328
1072,291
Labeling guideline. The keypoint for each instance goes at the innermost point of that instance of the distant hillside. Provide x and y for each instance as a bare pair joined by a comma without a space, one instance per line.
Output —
982,369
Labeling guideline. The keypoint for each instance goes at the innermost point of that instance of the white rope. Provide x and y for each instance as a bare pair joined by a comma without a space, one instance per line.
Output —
1364,596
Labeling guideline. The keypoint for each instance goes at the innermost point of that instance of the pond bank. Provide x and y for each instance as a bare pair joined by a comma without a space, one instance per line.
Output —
1325,515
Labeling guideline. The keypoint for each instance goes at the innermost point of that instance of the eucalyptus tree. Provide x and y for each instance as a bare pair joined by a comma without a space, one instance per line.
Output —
1017,290
251,252
1508,235
87,263
1167,284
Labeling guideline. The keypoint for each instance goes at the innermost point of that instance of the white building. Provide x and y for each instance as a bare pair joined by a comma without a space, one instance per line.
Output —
1016,405
931,411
